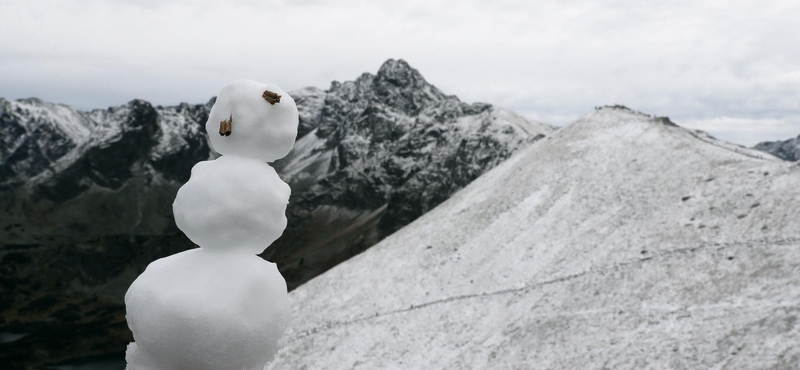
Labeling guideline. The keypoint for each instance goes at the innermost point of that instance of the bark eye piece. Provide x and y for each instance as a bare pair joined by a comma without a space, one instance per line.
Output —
271,97
225,126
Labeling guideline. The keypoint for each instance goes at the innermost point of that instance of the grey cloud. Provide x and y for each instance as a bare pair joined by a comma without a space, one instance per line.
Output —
728,66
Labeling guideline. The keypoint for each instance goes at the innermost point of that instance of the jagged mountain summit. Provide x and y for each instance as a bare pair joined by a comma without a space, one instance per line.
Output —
788,149
87,196
621,241
378,152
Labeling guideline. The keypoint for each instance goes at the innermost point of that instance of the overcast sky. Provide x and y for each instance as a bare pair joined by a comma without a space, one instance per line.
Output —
729,67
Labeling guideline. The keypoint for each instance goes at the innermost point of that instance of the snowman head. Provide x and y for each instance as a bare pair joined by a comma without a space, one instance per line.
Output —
254,120
233,204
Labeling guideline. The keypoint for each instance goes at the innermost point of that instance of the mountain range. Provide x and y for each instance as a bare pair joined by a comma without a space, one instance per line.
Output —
621,241
86,196
563,256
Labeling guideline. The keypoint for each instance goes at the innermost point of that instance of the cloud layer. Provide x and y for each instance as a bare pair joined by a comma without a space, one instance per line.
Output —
728,67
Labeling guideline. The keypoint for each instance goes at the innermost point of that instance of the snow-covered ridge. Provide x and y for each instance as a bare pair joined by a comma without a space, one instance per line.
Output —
47,139
621,241
613,115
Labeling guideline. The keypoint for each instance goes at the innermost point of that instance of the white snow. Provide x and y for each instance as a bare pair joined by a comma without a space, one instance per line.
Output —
259,129
618,242
221,306
66,119
202,309
233,204
530,127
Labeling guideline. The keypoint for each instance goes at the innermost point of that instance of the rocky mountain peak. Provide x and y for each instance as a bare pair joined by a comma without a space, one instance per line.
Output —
383,149
397,86
401,74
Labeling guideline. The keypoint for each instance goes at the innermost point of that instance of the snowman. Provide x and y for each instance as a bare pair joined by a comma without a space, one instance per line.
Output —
221,306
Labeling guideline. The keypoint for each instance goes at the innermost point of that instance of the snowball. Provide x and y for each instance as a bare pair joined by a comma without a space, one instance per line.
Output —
258,129
232,203
202,309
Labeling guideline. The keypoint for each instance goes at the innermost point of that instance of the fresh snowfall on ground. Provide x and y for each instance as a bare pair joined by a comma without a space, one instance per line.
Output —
622,241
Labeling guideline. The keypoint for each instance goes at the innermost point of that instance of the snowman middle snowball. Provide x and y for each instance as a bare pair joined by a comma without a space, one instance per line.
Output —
232,203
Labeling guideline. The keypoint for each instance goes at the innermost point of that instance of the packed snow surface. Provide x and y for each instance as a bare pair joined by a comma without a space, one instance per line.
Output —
622,241
259,129
220,306
232,203
204,309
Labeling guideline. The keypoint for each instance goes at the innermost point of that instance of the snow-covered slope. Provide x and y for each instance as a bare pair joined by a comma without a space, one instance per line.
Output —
788,149
620,242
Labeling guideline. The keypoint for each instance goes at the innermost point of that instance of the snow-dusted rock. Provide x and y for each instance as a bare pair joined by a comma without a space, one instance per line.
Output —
620,242
68,172
260,130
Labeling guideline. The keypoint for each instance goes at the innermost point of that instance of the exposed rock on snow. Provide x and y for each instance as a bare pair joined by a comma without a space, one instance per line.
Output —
788,150
622,241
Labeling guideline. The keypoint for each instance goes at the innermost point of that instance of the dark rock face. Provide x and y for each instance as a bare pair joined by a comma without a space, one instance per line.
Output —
788,150
109,164
87,196
30,143
61,167
184,146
